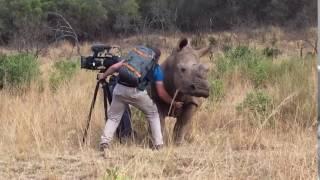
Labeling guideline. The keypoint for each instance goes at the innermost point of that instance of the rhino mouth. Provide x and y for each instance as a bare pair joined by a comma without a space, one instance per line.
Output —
200,93
197,90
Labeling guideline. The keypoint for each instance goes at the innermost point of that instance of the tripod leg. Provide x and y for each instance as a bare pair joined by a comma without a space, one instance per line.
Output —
90,112
106,96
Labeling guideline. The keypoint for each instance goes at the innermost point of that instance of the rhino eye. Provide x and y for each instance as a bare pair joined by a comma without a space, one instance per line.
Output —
183,70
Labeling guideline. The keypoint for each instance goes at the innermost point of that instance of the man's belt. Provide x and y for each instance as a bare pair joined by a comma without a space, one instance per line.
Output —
125,84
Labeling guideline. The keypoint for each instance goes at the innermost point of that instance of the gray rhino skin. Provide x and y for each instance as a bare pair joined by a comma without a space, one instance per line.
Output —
184,71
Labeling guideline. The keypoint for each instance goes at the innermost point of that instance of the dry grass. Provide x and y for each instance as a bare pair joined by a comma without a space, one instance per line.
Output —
41,131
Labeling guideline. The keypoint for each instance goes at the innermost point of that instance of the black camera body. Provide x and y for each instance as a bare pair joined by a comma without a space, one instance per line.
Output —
101,59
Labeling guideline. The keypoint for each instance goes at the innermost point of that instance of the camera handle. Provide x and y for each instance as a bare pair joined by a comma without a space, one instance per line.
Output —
106,94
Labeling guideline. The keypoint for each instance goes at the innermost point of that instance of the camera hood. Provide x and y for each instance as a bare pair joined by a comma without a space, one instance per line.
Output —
99,47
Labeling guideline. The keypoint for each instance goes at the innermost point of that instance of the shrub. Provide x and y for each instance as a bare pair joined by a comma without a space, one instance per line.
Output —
259,73
212,41
233,57
271,52
63,72
216,90
114,174
222,65
282,78
226,48
252,64
256,102
239,52
18,70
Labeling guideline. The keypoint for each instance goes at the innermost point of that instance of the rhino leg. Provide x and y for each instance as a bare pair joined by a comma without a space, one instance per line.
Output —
183,124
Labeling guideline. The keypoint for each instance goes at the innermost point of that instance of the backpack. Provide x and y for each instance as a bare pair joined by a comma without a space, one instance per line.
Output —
136,70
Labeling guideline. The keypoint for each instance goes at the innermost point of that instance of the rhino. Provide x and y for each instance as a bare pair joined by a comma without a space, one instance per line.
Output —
185,75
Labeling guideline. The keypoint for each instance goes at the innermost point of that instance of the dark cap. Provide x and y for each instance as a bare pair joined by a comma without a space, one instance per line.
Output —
156,51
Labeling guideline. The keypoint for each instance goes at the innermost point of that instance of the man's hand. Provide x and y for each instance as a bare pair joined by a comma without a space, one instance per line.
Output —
100,76
112,69
178,105
163,94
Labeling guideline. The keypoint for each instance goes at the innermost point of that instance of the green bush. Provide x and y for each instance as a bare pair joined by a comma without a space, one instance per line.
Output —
226,48
260,72
222,65
18,70
240,52
212,41
114,174
233,57
216,90
63,72
271,52
283,77
256,102
251,63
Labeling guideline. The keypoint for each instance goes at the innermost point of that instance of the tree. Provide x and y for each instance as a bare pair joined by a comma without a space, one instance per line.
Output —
124,15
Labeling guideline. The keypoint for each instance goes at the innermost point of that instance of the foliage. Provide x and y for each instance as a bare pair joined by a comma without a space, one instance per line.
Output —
63,72
216,90
256,102
271,52
212,41
97,18
113,174
251,63
286,76
18,70
123,15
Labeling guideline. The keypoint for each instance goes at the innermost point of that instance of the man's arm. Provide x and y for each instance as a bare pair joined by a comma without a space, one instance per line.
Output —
163,94
161,90
112,69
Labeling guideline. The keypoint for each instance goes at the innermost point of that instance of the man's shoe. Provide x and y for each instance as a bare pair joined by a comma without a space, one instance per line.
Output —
104,146
157,147
104,149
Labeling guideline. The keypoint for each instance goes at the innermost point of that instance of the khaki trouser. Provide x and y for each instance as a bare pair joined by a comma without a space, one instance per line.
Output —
123,95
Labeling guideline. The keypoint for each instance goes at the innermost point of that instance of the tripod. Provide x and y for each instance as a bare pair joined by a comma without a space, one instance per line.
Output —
124,129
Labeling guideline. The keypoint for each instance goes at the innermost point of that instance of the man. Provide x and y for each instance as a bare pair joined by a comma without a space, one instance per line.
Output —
124,94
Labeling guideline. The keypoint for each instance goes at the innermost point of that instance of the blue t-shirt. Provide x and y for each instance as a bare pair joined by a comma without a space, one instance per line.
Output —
158,74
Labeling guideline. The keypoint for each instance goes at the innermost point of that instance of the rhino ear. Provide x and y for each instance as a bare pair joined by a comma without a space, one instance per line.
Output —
182,43
204,51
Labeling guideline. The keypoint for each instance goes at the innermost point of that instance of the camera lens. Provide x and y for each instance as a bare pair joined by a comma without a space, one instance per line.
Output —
83,62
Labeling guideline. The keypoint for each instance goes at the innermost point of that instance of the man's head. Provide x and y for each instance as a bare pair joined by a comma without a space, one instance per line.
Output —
157,52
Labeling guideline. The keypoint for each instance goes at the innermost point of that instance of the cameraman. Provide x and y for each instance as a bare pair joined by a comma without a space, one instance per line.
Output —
124,95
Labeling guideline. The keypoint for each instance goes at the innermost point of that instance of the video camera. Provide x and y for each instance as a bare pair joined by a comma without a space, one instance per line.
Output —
101,59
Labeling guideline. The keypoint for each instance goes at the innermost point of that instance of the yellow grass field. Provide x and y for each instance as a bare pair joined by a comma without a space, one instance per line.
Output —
41,130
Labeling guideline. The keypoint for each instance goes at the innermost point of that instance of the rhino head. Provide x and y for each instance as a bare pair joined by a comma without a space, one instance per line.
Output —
189,75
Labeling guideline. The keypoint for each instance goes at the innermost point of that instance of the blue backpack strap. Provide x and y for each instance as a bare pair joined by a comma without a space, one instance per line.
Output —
147,75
